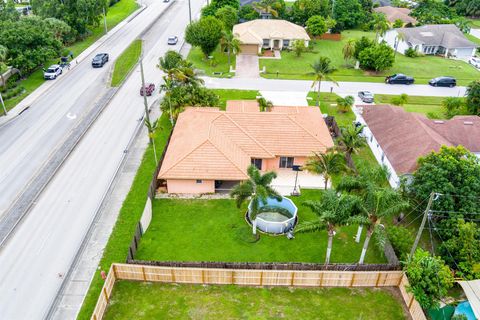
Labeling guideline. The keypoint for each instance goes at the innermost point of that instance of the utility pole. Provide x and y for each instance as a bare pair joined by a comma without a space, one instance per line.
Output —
147,115
422,225
189,11
105,20
3,105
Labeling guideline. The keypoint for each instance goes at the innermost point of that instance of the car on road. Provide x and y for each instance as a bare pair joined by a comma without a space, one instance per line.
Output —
99,60
172,40
443,82
399,78
52,72
366,96
474,61
149,88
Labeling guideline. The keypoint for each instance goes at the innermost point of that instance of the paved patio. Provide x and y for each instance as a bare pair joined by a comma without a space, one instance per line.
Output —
247,66
285,181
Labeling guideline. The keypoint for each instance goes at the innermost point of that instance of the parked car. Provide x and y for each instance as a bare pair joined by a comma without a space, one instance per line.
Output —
52,72
366,96
172,40
99,60
443,82
166,0
399,78
149,88
474,61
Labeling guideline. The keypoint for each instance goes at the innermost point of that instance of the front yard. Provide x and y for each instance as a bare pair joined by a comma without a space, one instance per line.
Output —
217,66
422,68
139,300
429,106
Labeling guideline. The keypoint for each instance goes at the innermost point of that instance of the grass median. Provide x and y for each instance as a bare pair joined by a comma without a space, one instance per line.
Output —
126,62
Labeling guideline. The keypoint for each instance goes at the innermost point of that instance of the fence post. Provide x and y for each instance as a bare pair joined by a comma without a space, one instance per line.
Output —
293,278
378,279
143,272
173,275
105,294
261,277
320,282
353,280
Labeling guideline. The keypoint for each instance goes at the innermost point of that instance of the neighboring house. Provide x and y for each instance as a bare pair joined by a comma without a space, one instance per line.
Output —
440,39
268,34
212,149
392,14
398,138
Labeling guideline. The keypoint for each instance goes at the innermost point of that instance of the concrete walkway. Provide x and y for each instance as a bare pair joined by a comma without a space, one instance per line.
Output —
287,98
247,66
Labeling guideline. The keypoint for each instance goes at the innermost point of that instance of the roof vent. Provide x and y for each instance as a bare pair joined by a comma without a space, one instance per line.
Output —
438,121
468,123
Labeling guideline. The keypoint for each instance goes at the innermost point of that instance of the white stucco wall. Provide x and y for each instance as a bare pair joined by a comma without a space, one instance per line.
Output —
390,38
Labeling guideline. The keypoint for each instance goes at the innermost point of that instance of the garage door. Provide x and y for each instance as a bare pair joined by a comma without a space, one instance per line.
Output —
248,49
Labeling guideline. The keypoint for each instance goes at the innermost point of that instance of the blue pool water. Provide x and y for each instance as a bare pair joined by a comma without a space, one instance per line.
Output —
466,309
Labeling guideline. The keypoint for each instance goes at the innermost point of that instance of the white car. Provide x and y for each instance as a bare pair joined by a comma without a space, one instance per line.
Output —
474,61
52,72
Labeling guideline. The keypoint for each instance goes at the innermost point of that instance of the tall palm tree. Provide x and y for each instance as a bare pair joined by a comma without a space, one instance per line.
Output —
322,68
257,188
380,25
332,211
400,37
231,43
167,86
374,203
170,63
327,164
268,6
348,49
351,141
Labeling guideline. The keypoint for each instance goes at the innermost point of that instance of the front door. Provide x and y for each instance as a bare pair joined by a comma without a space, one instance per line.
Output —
276,44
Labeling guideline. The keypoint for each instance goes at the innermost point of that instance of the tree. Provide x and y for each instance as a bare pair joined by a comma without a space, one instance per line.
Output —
8,12
327,164
398,23
231,43
299,47
453,106
361,44
380,24
429,277
351,141
228,15
344,104
378,57
302,10
3,58
170,63
473,97
332,211
432,12
205,33
264,104
257,188
273,7
214,5
348,49
322,68
247,13
316,26
348,14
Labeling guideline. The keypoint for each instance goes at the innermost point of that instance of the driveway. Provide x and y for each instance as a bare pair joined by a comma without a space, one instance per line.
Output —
247,66
285,181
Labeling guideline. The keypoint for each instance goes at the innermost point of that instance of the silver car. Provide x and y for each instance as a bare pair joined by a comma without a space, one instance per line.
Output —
172,40
366,96
52,72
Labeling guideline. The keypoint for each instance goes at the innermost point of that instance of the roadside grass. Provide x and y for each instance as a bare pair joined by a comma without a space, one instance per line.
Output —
422,68
145,300
472,38
328,105
474,23
220,59
429,106
117,247
125,62
234,94
115,15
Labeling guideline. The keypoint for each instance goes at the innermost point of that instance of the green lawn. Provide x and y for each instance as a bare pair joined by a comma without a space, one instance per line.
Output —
233,94
328,106
139,300
115,15
475,23
219,62
429,106
422,68
117,247
216,230
125,62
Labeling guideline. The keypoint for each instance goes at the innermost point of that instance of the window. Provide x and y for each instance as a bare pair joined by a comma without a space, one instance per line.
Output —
286,43
286,162
266,42
199,181
383,156
371,138
257,163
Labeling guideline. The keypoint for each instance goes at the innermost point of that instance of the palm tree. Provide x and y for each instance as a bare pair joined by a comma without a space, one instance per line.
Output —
380,25
186,75
268,6
374,203
257,188
170,63
348,49
322,69
264,104
231,43
327,164
167,87
351,141
345,103
332,211
400,37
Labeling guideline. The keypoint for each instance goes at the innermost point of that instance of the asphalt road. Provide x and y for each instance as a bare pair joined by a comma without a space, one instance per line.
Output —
39,253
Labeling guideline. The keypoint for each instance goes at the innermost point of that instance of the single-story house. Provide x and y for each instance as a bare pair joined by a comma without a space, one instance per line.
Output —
398,138
439,39
392,14
210,149
268,34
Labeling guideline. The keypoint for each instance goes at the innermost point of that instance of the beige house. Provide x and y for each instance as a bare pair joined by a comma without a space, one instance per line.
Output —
268,34
212,149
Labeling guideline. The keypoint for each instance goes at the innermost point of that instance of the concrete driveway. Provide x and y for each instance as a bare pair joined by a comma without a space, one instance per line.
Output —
247,66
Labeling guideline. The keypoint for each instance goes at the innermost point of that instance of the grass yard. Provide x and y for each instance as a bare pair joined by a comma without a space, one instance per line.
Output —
218,64
125,62
429,106
328,106
139,300
233,94
216,230
130,213
115,15
422,68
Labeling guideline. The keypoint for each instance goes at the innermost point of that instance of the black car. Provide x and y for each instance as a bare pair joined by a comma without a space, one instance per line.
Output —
443,82
99,60
399,78
366,96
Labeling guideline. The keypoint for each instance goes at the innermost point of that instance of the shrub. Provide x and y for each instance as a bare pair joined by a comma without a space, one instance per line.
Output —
398,23
378,57
299,47
411,53
401,240
453,106
400,100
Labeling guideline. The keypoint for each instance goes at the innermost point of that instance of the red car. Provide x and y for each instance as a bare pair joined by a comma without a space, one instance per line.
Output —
149,88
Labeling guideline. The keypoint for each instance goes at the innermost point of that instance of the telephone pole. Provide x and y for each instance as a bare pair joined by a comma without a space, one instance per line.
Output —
433,196
189,11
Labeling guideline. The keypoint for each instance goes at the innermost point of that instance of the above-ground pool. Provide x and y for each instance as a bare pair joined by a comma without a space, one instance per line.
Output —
275,216
465,309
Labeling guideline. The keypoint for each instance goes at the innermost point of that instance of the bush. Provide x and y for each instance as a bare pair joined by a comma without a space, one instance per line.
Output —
13,81
401,240
378,57
398,23
400,100
12,93
411,53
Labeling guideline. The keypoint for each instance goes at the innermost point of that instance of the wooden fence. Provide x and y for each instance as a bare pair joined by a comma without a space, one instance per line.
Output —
295,278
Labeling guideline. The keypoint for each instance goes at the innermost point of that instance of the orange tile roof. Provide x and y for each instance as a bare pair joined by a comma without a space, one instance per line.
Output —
210,144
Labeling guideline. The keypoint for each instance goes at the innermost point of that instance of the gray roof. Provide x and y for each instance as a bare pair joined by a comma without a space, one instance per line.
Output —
445,35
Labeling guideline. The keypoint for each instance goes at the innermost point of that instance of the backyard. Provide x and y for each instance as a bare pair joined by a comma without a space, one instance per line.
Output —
422,68
139,300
